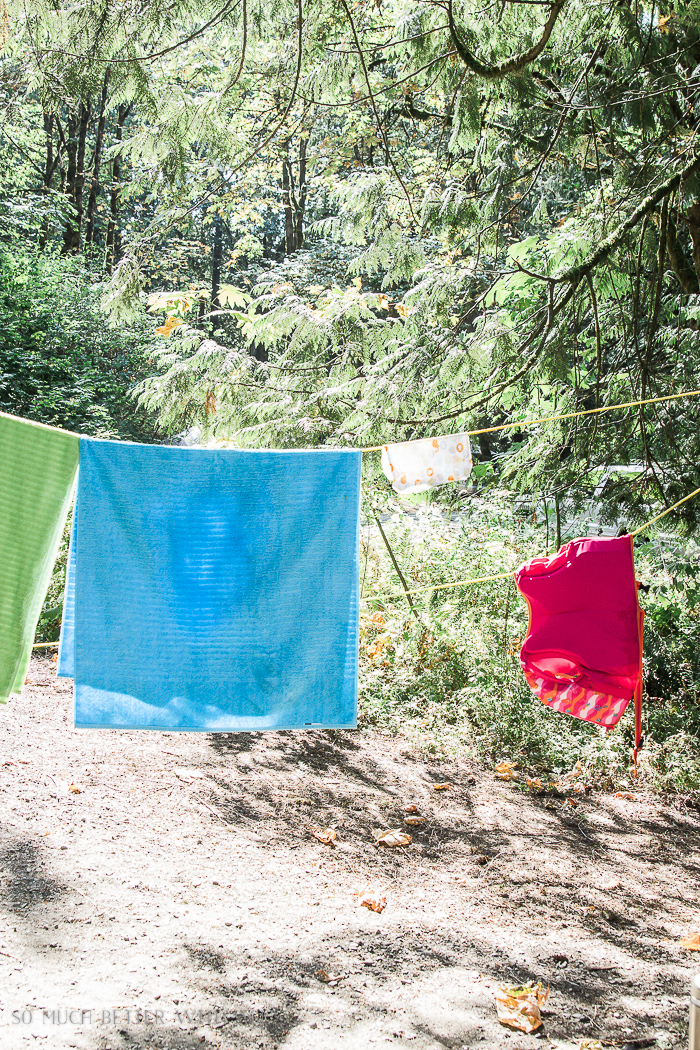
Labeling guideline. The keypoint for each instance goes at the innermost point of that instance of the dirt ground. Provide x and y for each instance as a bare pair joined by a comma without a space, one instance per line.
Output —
179,899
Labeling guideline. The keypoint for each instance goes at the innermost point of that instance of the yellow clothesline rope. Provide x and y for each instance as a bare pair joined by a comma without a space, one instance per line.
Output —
566,415
471,433
664,513
476,579
504,575
43,426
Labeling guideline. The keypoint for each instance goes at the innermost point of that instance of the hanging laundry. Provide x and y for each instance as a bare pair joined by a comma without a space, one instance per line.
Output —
415,466
37,474
213,590
583,650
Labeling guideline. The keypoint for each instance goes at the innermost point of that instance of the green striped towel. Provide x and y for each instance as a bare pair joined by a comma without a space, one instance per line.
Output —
37,473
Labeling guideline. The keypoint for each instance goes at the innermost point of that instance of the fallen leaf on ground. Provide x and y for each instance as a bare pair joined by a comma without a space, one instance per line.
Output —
330,978
414,821
520,1007
535,785
692,942
627,795
325,835
374,903
441,787
410,808
188,775
505,770
397,837
74,789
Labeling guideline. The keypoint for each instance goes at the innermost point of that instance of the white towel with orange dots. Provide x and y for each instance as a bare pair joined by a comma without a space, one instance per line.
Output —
415,466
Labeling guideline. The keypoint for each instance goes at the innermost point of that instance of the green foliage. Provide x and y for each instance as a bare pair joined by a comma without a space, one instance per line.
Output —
59,363
451,680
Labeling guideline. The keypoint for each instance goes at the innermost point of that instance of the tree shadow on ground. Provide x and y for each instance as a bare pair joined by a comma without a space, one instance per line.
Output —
23,879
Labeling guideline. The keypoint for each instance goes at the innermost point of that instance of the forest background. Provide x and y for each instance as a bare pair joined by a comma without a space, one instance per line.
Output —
293,224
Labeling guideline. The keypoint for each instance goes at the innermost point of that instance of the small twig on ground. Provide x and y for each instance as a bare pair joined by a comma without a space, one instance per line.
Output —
211,809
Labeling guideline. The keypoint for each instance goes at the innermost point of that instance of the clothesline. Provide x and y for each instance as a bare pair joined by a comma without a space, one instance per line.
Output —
505,575
485,430
471,433
467,583
565,415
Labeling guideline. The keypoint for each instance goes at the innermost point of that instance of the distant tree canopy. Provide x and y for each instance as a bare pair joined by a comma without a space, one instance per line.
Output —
360,222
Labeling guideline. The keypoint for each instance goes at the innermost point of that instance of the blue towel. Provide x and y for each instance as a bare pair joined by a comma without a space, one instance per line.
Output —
213,590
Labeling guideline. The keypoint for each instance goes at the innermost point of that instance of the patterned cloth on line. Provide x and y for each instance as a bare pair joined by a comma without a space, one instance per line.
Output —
414,466
213,590
583,650
37,473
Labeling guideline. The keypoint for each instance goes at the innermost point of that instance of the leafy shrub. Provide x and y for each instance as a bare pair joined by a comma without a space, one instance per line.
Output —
450,676
60,363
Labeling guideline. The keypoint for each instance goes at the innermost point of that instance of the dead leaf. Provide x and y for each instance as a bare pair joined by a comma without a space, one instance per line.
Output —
505,771
627,796
325,835
520,1007
171,323
74,789
414,821
692,942
410,808
377,904
187,776
397,837
535,785
442,787
330,978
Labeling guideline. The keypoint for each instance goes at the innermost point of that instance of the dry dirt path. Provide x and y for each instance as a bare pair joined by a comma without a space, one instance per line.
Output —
179,899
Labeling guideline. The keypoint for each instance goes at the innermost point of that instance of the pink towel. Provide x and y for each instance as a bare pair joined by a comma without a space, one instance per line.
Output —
583,650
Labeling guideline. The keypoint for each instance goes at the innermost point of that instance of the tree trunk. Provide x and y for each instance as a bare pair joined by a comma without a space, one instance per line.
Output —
692,218
113,246
287,191
294,205
50,166
216,257
301,203
679,262
71,166
557,516
92,199
77,132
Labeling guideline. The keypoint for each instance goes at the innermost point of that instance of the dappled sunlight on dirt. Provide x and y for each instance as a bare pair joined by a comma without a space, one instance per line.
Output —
180,883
